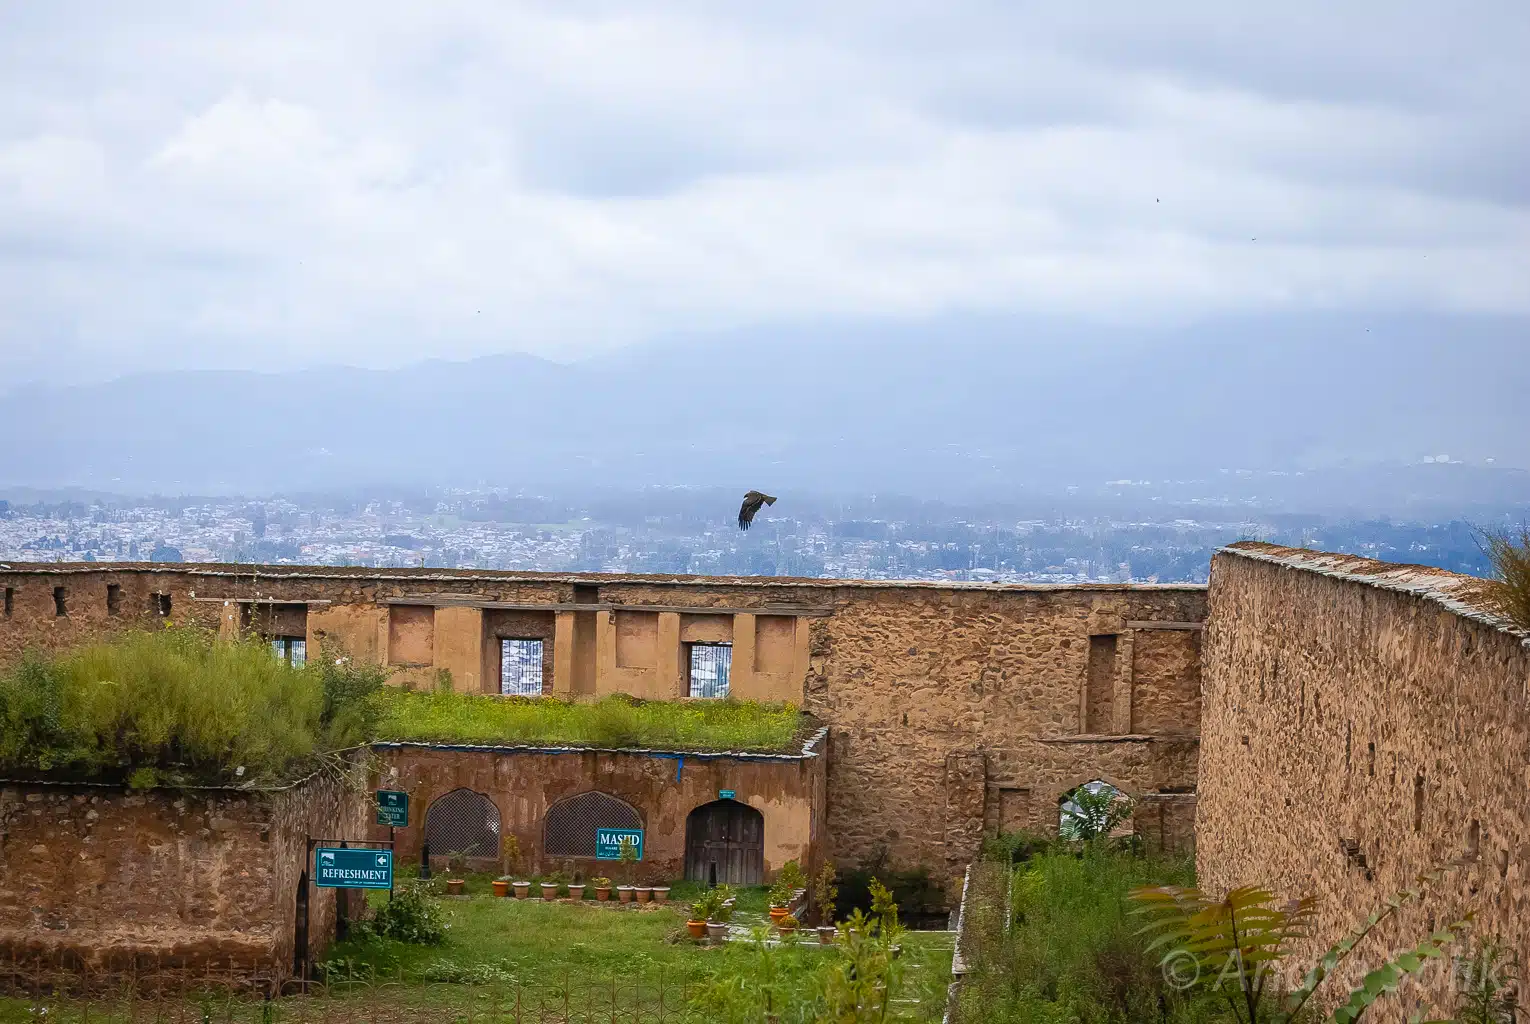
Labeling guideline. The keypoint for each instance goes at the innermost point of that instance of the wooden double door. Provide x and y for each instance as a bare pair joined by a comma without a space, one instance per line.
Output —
725,842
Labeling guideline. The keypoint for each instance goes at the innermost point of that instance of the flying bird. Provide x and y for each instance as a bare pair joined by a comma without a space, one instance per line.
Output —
752,502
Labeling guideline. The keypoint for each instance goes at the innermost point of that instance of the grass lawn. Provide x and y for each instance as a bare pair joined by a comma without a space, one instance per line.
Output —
511,960
443,716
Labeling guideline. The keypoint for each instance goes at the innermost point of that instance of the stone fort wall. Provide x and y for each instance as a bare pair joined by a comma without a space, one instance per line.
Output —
1364,723
951,708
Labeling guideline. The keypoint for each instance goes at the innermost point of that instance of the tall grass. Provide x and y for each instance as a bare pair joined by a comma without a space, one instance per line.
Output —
1073,953
178,706
443,716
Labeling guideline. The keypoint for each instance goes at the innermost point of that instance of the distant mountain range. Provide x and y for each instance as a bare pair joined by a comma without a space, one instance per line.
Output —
963,409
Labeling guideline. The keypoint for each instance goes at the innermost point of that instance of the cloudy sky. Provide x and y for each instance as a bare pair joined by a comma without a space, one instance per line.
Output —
281,183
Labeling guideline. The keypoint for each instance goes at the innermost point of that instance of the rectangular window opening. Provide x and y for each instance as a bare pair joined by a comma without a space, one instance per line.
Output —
291,649
10,601
710,667
60,601
161,605
114,599
520,667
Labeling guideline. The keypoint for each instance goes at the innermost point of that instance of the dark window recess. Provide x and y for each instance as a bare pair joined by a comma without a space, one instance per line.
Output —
520,667
710,666
60,601
10,601
114,599
1418,803
1370,753
160,603
1474,840
1100,694
586,593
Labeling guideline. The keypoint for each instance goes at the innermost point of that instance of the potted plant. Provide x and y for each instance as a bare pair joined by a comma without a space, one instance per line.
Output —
661,894
642,893
779,897
722,913
522,889
456,864
787,924
509,855
602,886
826,895
455,886
502,886
700,911
550,886
576,891
624,894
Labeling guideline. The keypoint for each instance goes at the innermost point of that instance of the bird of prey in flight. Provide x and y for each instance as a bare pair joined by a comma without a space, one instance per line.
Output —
752,502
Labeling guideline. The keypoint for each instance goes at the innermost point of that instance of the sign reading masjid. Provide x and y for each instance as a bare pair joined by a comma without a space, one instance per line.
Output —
353,869
608,842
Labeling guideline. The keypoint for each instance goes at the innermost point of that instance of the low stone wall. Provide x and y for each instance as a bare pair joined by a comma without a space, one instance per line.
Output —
102,882
664,787
1364,723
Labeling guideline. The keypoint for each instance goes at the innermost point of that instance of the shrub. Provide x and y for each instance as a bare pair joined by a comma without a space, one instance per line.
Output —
1510,589
179,706
413,915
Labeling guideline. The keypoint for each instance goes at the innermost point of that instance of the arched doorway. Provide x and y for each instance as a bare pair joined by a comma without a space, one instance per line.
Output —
1094,810
725,842
464,823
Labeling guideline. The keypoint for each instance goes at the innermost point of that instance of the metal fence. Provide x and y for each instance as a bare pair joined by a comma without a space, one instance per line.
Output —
710,665
463,822
569,827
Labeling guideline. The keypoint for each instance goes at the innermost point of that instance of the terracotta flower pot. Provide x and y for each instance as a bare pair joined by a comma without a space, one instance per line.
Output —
661,894
624,893
776,913
454,886
785,929
501,889
576,892
826,934
603,893
698,929
549,891
643,893
522,889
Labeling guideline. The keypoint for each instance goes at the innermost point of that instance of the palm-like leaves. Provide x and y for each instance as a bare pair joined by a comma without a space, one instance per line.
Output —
1093,813
1233,943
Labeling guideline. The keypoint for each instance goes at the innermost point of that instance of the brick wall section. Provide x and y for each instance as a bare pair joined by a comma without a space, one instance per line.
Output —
906,675
523,784
1311,663
201,880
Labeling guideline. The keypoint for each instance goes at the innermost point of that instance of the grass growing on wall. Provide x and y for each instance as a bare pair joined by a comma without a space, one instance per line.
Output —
179,706
443,716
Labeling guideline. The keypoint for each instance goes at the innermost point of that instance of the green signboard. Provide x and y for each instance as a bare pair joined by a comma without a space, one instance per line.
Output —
608,842
392,808
725,794
353,869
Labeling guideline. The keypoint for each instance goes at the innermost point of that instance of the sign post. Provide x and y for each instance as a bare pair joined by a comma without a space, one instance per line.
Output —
608,842
339,868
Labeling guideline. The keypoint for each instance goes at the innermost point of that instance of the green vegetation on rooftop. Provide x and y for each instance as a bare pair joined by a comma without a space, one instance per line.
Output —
180,706
443,716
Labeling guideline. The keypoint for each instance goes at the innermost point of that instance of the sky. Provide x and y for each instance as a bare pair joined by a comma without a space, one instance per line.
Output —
280,184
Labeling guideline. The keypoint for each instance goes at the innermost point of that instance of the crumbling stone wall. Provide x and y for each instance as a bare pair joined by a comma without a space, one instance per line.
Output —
1364,723
953,709
186,882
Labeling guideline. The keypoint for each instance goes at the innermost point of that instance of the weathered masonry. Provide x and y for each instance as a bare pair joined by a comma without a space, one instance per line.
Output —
1364,723
950,709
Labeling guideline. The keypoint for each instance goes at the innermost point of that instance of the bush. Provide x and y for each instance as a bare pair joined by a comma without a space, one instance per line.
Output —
1510,590
413,915
179,706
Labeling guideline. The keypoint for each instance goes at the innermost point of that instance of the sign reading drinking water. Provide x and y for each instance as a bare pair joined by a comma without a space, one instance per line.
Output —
353,869
608,842
392,808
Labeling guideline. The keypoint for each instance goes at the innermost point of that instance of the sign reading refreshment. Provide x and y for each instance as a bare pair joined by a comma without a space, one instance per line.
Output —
392,808
353,869
608,842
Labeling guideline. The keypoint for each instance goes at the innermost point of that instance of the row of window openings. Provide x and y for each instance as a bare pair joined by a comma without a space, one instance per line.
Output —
521,668
159,604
